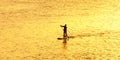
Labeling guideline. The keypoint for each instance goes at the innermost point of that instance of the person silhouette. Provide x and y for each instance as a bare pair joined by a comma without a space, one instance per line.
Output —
64,30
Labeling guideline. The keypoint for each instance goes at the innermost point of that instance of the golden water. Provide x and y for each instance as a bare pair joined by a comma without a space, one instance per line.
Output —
29,29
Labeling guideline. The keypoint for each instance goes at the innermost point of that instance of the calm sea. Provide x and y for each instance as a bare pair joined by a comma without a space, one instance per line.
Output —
29,29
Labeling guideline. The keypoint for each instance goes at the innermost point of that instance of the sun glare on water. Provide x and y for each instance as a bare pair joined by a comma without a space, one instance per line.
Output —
29,29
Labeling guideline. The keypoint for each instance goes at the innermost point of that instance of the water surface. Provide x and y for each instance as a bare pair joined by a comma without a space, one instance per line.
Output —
29,29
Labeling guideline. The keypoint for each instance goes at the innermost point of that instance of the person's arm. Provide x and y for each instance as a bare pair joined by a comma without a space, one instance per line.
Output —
61,25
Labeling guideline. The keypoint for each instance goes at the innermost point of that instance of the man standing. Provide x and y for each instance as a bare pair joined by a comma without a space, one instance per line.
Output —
64,33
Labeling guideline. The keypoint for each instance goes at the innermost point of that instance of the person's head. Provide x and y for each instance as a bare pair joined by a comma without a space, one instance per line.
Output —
65,24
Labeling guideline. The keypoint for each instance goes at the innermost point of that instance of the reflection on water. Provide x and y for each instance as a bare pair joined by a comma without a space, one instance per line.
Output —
64,45
29,29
